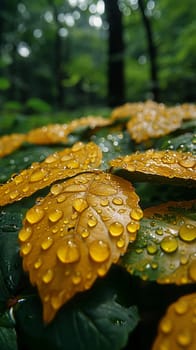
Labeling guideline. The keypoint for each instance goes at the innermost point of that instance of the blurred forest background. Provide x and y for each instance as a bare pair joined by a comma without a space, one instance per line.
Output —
68,54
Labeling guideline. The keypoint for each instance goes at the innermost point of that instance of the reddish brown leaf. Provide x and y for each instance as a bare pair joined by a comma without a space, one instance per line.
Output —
76,233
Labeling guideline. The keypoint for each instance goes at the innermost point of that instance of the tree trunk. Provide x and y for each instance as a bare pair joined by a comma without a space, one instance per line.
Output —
151,51
115,72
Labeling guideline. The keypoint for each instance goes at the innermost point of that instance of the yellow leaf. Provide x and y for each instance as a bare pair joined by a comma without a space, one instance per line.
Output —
58,133
76,233
9,143
177,328
167,164
81,157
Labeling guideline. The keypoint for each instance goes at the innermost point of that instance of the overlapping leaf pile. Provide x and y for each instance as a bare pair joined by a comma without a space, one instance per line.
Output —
90,218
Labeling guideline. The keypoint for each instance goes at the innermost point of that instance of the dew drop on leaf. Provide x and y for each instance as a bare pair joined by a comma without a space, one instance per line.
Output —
25,234
187,232
116,229
46,244
99,251
68,252
169,244
55,215
34,215
48,276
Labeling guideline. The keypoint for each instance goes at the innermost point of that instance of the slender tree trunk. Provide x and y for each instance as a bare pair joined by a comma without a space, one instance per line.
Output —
152,51
115,54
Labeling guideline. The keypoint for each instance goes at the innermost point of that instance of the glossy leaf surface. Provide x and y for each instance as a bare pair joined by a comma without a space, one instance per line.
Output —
94,320
75,233
177,328
57,166
166,244
164,166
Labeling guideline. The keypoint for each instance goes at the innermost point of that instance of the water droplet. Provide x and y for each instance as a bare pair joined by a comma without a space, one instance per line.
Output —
68,252
92,222
18,179
38,263
26,248
151,248
37,175
56,189
187,232
184,338
192,271
120,243
46,244
166,325
132,227
34,215
116,229
117,201
181,307
104,202
51,159
159,231
25,189
85,233
136,214
80,204
61,198
99,251
76,278
25,234
73,164
48,276
14,194
188,162
77,146
55,215
169,244
183,259
56,301
101,271
154,265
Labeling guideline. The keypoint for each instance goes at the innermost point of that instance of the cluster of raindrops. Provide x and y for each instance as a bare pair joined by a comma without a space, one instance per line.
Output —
151,120
166,252
55,167
177,328
75,233
168,164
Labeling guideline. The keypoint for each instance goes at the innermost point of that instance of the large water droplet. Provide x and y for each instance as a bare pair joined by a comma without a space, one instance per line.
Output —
133,226
56,189
166,325
116,229
38,175
26,248
80,204
46,244
151,248
92,221
181,307
187,232
169,244
34,215
55,215
68,252
117,201
25,234
184,338
136,214
48,276
99,251
188,162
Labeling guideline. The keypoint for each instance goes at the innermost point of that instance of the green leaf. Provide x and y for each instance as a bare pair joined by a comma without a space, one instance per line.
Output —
8,339
165,245
184,143
93,320
4,84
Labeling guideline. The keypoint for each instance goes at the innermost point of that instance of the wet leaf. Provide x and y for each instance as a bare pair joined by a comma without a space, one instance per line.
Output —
57,166
75,233
166,244
185,143
162,166
95,320
9,143
177,328
8,339
58,133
